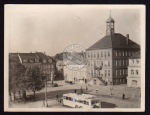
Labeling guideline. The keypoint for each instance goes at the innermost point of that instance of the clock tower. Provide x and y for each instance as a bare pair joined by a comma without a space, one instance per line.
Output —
110,25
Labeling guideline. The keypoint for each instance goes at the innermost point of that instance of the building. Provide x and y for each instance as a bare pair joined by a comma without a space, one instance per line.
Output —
108,57
45,63
78,76
134,71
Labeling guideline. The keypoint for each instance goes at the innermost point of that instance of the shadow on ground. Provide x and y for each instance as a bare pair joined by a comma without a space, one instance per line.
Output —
50,95
107,105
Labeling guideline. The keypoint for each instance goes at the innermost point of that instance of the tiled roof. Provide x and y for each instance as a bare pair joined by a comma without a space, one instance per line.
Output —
28,55
136,56
42,55
13,57
114,41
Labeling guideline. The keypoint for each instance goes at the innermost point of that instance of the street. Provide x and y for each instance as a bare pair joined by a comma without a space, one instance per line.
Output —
108,100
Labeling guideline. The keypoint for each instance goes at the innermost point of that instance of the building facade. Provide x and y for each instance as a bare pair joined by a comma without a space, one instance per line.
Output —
79,76
108,58
44,62
134,71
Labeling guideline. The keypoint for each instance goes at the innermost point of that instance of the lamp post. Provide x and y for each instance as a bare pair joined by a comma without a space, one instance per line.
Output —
46,93
111,88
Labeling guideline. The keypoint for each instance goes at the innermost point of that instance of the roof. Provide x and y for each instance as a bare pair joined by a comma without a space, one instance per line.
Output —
42,55
13,57
136,56
80,96
28,55
114,41
110,19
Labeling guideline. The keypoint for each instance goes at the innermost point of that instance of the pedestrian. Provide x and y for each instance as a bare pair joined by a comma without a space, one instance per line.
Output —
86,88
43,103
75,91
123,96
56,97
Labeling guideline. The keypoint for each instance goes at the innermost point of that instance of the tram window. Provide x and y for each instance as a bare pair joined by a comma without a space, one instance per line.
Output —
67,98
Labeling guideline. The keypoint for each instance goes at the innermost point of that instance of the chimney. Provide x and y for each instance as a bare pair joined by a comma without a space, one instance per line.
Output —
127,39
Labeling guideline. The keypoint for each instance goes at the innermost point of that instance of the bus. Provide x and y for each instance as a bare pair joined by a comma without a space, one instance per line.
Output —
81,100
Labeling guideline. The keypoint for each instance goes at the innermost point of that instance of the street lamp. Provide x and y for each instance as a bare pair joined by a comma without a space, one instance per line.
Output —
111,88
46,104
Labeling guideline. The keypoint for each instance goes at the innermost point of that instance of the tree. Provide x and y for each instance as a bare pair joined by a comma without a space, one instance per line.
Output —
16,72
32,80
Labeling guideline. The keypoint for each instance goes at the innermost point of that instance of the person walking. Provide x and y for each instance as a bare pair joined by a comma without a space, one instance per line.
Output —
57,97
123,96
75,91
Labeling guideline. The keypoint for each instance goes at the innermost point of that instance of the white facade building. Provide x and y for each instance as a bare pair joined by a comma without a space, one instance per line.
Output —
134,71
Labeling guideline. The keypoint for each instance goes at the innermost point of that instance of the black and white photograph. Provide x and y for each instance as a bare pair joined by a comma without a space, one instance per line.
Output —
74,58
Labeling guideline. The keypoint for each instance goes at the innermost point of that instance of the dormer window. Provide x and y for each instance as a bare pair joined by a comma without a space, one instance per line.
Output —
44,61
50,61
31,60
36,60
25,60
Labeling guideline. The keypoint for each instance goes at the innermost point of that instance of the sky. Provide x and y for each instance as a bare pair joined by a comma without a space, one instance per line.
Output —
51,28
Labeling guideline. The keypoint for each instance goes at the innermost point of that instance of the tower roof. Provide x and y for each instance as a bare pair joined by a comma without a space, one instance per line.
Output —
110,19
115,41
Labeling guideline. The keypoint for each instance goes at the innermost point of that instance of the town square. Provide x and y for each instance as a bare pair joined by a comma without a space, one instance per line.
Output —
74,56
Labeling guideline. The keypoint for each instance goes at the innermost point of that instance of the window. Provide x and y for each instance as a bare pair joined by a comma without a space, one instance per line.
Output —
102,63
36,60
50,61
108,63
119,53
97,54
132,60
101,54
137,72
122,53
25,60
120,62
88,54
116,53
137,61
89,63
94,54
123,72
91,55
116,62
129,53
126,62
94,63
126,53
52,66
31,60
120,71
105,73
108,53
132,72
67,98
123,62
105,54
98,63
108,73
116,72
